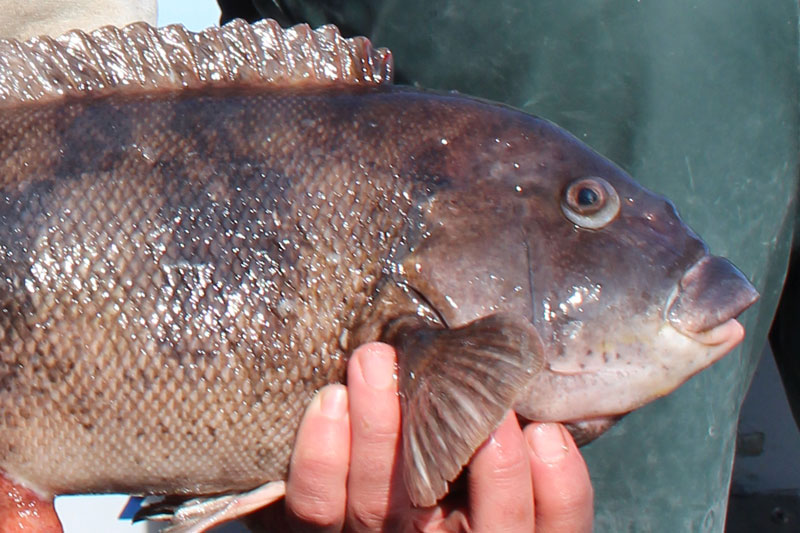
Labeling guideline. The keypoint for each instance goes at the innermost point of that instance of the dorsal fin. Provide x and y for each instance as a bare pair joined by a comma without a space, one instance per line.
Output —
139,58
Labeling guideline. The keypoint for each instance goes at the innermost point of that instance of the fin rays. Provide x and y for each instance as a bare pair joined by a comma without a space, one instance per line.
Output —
140,57
456,386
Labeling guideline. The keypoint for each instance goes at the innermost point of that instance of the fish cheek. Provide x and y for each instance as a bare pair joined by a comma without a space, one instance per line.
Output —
464,277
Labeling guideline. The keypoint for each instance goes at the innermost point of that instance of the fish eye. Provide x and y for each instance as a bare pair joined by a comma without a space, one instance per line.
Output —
587,197
590,202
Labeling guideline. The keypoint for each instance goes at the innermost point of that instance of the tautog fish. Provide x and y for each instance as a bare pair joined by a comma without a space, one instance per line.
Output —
197,229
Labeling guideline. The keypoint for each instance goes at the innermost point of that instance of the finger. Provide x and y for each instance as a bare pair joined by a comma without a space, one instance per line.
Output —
561,484
375,431
501,492
315,490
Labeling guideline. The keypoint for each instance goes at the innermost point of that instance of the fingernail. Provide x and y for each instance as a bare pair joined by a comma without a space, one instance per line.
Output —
378,369
547,442
333,402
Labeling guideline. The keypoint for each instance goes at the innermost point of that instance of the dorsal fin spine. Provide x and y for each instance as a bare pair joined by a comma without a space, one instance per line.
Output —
139,57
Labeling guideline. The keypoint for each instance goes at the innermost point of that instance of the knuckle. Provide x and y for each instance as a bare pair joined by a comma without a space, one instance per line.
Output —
379,424
367,516
571,506
377,440
315,500
319,511
316,490
324,461
509,464
319,480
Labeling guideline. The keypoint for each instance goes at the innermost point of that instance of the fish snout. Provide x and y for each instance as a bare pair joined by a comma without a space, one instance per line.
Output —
710,295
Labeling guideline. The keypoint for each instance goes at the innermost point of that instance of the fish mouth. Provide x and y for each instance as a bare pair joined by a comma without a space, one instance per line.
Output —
718,340
696,329
707,300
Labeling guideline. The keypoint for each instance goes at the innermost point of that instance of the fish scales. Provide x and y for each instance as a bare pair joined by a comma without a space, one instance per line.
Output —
185,289
196,230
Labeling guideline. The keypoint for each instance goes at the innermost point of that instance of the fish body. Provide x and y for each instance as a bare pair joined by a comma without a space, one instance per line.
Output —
202,286
184,264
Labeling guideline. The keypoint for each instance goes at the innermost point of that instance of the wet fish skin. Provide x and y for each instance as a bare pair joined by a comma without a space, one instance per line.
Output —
173,310
173,295
182,268
597,296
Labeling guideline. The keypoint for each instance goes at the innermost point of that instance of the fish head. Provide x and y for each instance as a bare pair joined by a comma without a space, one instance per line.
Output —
626,298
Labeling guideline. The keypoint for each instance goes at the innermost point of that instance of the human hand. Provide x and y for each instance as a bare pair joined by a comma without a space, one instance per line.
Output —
345,471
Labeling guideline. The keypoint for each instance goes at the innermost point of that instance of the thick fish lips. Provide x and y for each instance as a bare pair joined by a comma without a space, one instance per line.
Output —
704,307
709,297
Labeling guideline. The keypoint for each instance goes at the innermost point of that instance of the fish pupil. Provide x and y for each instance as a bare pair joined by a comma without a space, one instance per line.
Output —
587,197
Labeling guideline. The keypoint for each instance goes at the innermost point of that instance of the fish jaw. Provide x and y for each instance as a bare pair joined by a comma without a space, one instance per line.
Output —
710,291
585,431
560,394
651,356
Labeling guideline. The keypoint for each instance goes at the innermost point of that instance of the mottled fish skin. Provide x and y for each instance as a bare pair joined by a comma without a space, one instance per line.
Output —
172,295
181,268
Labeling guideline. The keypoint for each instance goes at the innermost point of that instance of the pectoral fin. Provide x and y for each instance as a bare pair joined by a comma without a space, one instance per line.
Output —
456,386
